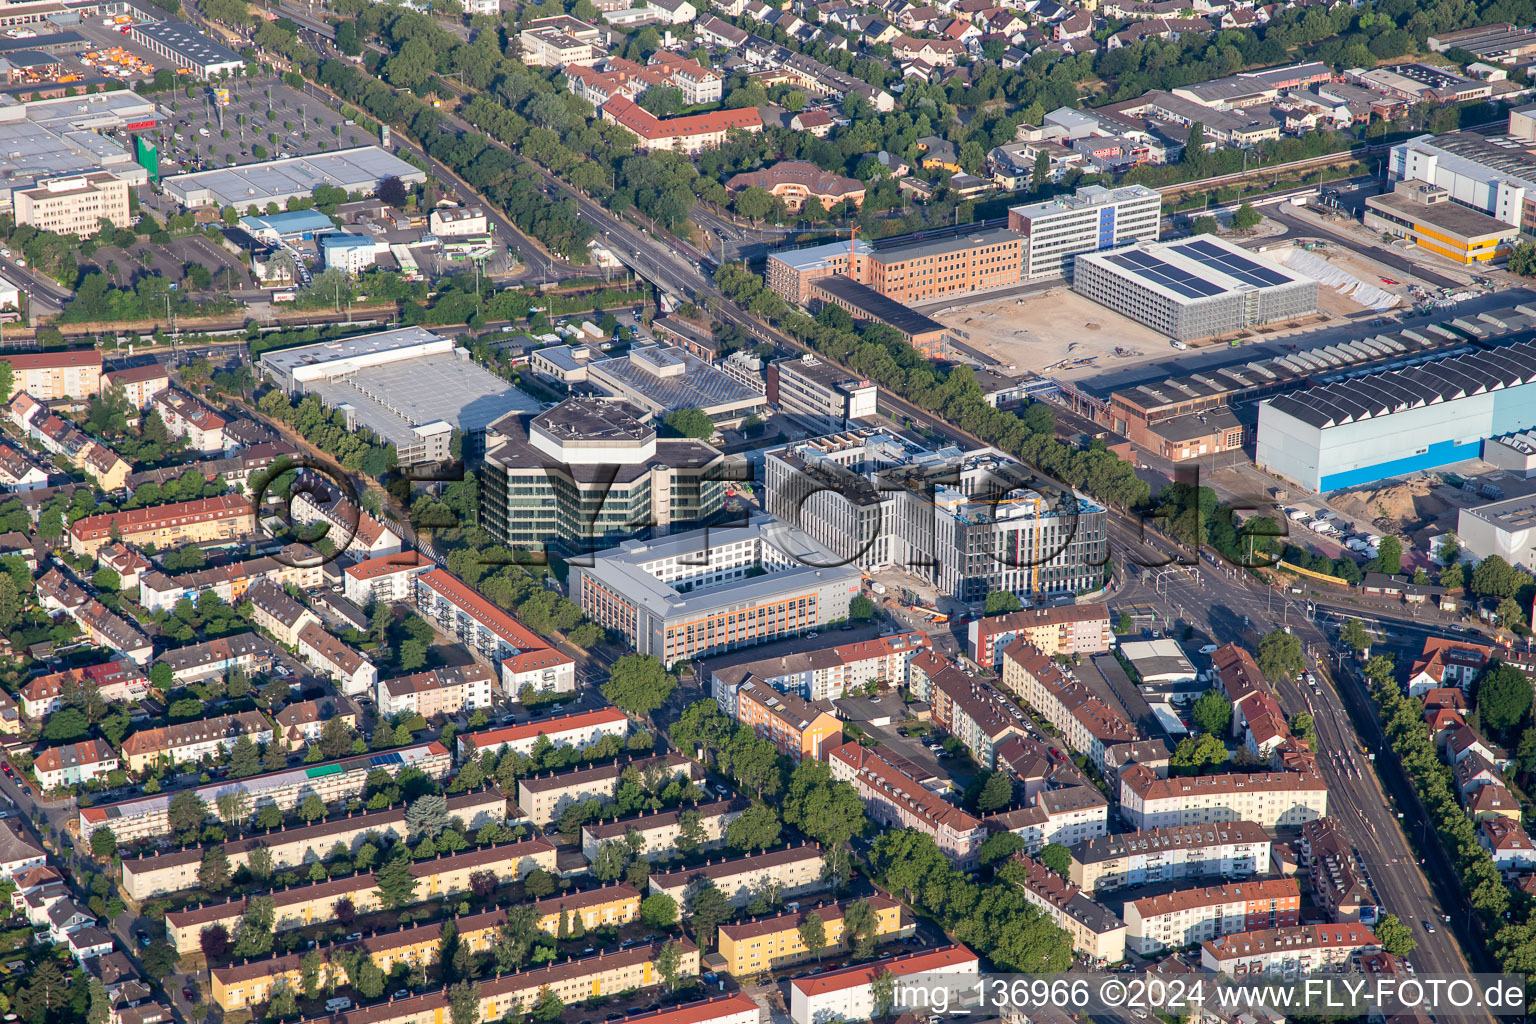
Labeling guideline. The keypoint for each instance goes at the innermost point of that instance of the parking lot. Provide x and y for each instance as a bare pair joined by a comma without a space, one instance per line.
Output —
264,120
125,266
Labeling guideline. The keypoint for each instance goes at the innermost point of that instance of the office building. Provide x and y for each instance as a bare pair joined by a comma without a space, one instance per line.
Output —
848,993
896,799
1357,430
1425,215
411,387
658,379
1093,218
590,473
227,517
760,945
523,658
70,136
458,221
55,376
332,781
960,520
251,187
1223,850
910,272
1301,950
1072,629
74,205
806,386
1269,799
186,47
1096,932
558,41
699,593
1173,920
1195,287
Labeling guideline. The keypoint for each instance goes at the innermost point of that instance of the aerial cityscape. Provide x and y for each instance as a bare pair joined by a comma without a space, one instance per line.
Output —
758,512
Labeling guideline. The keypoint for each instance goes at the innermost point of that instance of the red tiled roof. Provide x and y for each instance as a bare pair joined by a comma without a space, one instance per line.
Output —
55,360
629,114
947,958
225,506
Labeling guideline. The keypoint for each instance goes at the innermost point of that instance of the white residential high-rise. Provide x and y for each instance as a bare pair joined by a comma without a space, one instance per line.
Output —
1095,218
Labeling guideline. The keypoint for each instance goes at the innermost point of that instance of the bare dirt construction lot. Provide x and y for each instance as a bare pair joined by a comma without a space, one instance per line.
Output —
1037,332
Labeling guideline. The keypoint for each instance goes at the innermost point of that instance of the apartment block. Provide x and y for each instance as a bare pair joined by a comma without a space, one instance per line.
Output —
794,870
513,995
1173,920
160,872
971,713
73,764
1226,850
1073,811
386,579
117,682
1339,884
53,376
74,205
277,613
543,798
818,675
1060,629
303,722
1304,949
580,729
226,517
1096,932
106,628
1087,724
248,652
688,133
352,672
911,272
1057,230
897,800
1269,799
796,727
138,384
301,905
848,993
231,582
352,529
332,781
658,833
187,417
442,691
521,656
193,741
250,984
770,943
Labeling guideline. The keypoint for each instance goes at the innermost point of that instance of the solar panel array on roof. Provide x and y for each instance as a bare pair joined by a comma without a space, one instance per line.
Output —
1230,263
1158,272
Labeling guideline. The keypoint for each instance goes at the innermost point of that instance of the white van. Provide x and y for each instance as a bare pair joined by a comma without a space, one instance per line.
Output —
338,1004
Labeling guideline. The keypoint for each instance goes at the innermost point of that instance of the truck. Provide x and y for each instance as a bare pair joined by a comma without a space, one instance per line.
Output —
1321,526
1297,514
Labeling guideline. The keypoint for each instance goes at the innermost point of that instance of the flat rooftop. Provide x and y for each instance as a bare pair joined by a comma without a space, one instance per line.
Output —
188,43
1087,198
288,360
1452,217
357,170
1193,269
1511,515
53,138
672,378
877,307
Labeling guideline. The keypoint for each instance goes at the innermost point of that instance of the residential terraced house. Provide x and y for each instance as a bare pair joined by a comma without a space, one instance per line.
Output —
117,682
73,764
192,741
248,652
353,673
897,800
227,517
442,691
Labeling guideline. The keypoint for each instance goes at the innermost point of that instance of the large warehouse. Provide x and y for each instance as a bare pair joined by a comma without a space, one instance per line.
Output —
1503,528
1363,429
409,386
359,169
1195,287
